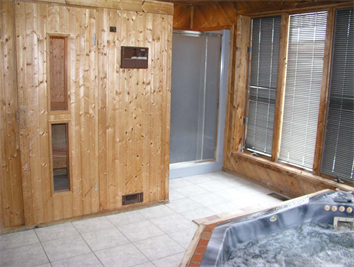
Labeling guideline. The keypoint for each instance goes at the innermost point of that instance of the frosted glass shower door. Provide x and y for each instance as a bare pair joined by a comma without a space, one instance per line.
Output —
194,99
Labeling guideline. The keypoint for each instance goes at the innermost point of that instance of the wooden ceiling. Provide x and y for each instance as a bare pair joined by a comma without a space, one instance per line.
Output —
243,6
213,15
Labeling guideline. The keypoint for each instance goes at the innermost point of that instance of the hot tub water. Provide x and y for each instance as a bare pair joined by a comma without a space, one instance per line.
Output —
305,245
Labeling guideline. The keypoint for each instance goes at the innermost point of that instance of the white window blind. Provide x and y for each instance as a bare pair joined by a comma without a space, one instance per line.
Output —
338,153
303,85
263,83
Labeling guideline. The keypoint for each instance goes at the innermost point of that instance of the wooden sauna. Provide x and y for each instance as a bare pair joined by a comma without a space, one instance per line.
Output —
79,134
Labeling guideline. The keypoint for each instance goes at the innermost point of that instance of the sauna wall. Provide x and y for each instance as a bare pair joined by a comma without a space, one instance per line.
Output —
134,108
118,118
11,202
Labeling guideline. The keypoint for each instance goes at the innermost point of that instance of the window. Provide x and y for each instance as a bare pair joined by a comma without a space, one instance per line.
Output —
338,152
58,76
262,84
60,157
303,86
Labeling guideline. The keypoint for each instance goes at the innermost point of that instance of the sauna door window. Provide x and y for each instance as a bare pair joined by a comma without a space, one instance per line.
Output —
60,157
58,73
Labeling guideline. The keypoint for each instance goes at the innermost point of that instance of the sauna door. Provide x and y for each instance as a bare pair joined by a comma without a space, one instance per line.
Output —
57,74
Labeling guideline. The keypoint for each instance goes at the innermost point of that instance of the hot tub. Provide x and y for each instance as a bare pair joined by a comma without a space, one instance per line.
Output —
235,239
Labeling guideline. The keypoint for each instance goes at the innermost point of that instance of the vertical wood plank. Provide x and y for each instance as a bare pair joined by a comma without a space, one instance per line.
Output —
230,97
102,85
21,46
11,201
147,116
33,109
281,82
167,104
43,107
326,76
242,43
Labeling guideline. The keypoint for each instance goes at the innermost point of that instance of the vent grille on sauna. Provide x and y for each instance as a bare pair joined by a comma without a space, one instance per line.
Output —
133,198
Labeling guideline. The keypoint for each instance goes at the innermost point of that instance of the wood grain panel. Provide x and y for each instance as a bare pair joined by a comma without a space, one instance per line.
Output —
118,119
80,26
182,17
240,85
214,16
326,76
11,202
281,82
133,108
230,96
287,180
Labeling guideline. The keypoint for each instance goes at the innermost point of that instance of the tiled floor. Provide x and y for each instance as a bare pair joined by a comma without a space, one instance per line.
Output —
150,237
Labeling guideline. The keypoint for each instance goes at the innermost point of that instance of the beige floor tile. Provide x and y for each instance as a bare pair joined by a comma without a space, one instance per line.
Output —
156,212
214,186
183,237
174,195
146,264
225,207
232,194
56,232
197,214
140,231
171,261
208,199
173,223
27,256
126,218
159,247
65,248
103,239
184,204
44,265
122,256
89,260
18,239
176,183
91,225
198,179
192,190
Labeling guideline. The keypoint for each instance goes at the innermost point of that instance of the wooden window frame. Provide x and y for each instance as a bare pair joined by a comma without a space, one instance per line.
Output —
241,82
66,74
69,190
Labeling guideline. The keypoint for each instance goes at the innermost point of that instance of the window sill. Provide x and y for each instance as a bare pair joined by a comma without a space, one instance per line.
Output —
298,175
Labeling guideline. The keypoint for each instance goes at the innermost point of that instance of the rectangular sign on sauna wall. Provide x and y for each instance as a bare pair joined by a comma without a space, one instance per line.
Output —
134,57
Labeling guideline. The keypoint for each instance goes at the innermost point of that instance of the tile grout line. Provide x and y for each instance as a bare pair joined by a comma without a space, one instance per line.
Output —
170,256
135,246
87,245
40,242
21,246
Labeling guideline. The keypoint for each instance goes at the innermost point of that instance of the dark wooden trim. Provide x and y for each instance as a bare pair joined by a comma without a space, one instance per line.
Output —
281,82
326,76
240,86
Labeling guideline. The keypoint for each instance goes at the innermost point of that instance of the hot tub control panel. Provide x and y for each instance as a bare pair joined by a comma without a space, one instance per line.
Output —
340,208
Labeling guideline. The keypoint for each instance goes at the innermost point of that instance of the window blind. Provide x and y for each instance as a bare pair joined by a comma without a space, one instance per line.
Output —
303,85
263,83
338,152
